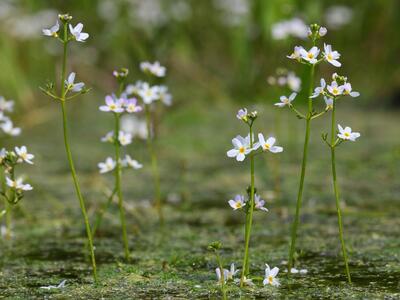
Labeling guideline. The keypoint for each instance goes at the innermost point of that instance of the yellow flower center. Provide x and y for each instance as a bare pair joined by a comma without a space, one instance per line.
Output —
238,205
329,56
113,106
346,134
241,149
335,91
310,55
267,146
270,279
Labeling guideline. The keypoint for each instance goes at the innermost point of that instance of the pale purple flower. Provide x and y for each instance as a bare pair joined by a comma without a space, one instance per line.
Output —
242,114
70,85
6,106
129,162
347,90
259,203
124,138
319,90
155,68
8,128
296,53
131,105
328,102
311,55
270,276
334,89
322,31
113,104
149,93
238,202
164,95
52,31
107,166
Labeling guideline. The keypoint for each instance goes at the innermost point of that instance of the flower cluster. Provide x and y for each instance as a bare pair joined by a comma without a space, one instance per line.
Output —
229,276
6,125
239,202
242,146
75,32
287,78
149,93
8,161
119,106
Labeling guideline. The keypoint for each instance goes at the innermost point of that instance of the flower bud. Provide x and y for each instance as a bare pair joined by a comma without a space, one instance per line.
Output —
65,18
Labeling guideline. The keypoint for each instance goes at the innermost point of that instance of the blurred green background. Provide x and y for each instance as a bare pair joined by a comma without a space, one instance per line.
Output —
220,55
214,50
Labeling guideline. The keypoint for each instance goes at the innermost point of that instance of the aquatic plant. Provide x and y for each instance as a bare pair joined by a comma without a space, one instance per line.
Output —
118,104
150,93
68,89
247,146
13,188
338,87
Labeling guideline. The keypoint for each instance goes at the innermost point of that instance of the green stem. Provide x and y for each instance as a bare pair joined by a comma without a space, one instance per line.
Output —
101,213
118,188
222,275
336,190
154,164
303,172
70,160
249,216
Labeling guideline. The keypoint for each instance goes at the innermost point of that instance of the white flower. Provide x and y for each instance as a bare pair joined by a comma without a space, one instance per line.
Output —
242,148
6,105
267,145
218,272
3,118
334,89
23,155
331,56
270,276
135,126
124,138
311,55
18,184
347,90
107,166
347,134
232,272
113,104
322,31
246,281
242,114
164,95
293,82
296,53
132,106
155,68
259,203
294,27
149,93
133,89
9,128
59,286
319,90
70,85
129,162
77,32
238,202
3,154
108,138
285,100
52,31
328,102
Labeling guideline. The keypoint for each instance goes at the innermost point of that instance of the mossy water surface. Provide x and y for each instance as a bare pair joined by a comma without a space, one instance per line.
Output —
172,262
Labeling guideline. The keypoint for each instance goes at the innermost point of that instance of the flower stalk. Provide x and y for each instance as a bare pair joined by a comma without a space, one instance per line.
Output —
65,88
336,191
